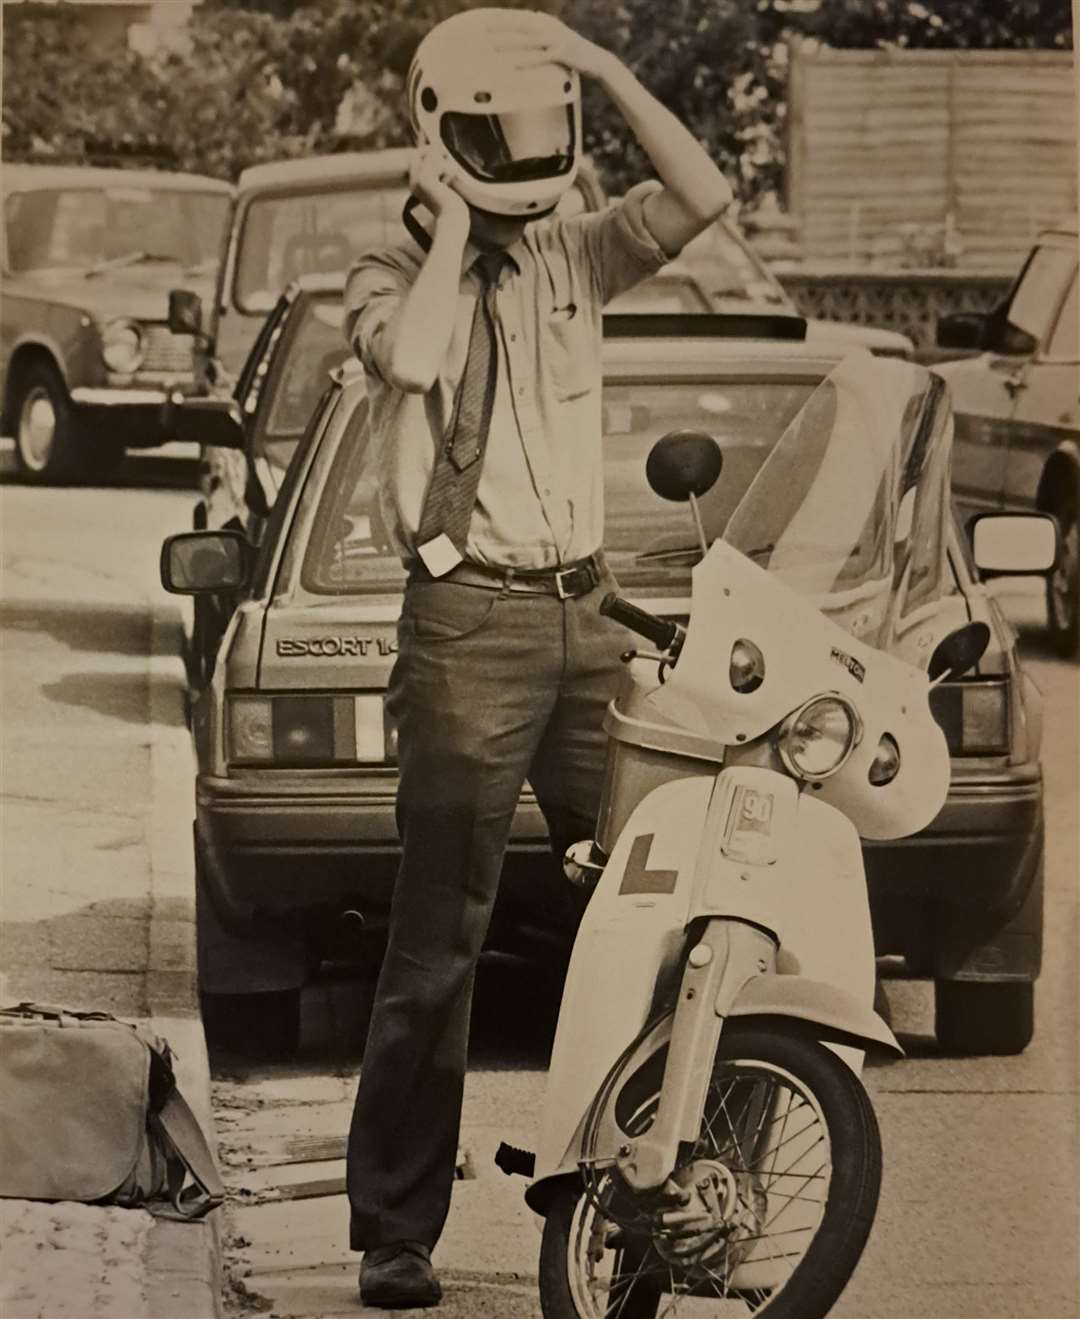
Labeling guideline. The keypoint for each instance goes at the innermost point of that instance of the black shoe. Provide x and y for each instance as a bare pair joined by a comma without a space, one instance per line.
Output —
399,1277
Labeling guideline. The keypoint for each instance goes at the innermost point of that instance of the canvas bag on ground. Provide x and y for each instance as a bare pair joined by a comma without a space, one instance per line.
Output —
89,1111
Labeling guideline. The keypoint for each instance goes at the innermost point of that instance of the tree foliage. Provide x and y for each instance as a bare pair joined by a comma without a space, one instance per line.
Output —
266,79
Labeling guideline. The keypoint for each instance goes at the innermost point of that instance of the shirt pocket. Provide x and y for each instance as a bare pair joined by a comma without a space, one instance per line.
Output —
569,354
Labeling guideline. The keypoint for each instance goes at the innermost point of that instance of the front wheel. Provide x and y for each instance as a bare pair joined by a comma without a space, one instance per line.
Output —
776,1198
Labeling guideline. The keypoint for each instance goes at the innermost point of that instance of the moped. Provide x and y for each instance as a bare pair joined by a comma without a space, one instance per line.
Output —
707,1146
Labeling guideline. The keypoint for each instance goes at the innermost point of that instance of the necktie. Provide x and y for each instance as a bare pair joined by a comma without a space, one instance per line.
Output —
451,494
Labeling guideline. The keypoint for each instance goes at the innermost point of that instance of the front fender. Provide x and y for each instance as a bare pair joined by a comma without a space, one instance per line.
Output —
835,1016
841,1017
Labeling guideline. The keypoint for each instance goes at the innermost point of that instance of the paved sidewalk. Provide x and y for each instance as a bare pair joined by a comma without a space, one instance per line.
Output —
98,907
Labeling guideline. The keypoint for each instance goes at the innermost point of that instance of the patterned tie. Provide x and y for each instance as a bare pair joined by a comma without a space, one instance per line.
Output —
451,495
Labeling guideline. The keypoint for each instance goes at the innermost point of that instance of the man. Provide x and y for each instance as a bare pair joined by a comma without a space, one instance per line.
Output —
481,345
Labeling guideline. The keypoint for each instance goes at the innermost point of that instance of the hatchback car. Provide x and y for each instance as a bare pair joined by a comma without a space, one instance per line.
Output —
87,360
1018,410
295,837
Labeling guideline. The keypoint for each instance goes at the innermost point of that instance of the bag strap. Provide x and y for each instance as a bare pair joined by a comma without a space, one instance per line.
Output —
182,1128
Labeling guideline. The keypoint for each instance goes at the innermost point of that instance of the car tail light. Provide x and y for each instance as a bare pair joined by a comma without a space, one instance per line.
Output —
974,716
316,731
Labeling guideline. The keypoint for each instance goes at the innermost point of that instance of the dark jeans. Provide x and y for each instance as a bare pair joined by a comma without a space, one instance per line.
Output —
489,688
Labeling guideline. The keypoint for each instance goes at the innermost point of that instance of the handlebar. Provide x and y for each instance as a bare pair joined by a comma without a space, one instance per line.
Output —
662,632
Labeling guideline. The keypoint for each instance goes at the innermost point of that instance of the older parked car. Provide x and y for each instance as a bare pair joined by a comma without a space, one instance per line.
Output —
87,359
295,835
1018,410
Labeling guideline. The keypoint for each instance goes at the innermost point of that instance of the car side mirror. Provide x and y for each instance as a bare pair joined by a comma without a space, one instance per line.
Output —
1014,544
185,312
205,562
962,330
216,422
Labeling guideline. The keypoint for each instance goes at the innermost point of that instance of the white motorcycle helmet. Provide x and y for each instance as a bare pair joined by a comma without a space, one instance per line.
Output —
515,135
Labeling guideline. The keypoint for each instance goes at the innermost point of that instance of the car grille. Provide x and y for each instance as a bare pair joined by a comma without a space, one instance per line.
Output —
166,353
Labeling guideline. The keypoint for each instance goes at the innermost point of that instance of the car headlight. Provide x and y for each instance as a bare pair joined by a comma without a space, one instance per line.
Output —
122,346
817,739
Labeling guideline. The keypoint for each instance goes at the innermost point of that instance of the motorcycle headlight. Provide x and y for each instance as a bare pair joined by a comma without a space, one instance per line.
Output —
817,739
122,346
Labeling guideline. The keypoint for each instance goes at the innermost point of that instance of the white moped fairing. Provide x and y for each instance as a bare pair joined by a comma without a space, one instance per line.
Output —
806,655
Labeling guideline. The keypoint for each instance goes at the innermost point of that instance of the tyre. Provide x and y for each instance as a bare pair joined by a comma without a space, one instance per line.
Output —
779,1194
974,1018
250,984
1063,584
50,440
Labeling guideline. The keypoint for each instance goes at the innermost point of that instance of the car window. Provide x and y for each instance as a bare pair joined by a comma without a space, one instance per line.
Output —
1039,290
1063,343
730,271
284,237
650,543
314,346
84,227
666,294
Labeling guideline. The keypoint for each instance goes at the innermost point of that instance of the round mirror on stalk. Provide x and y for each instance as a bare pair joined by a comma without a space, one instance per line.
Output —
959,651
681,466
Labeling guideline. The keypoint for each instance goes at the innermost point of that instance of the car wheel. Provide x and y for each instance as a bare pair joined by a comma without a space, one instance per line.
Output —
980,1018
50,441
1063,584
249,983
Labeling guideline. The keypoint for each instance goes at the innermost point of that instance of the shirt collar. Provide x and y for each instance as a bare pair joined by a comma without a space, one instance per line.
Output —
514,254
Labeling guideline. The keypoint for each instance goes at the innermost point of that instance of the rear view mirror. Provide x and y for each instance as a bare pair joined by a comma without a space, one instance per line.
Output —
962,330
683,465
217,422
959,651
195,562
1014,544
185,312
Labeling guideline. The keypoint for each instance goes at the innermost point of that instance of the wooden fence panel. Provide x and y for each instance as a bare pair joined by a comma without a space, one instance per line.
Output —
974,149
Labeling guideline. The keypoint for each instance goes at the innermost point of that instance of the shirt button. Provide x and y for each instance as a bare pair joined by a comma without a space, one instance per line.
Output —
521,389
513,338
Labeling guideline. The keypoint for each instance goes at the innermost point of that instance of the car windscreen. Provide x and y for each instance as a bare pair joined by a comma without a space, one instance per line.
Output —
313,347
284,237
649,542
88,227
730,271
668,294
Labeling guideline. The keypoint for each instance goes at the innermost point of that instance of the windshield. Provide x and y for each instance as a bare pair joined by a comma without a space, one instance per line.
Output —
315,346
851,507
287,236
88,227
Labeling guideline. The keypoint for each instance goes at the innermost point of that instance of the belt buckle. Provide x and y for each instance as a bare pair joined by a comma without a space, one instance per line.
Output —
560,589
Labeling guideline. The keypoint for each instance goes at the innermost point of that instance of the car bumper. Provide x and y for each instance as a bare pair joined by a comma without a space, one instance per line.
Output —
963,899
941,897
141,415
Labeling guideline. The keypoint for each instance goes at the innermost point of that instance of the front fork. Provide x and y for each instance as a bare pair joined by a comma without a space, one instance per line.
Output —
728,954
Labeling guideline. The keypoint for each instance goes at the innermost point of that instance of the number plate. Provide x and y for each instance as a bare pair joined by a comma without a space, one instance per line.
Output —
748,831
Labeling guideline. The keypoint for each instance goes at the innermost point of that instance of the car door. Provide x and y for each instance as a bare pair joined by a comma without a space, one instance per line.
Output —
1047,406
985,390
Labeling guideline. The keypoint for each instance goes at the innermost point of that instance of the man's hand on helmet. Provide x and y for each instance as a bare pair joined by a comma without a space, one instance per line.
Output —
431,181
530,39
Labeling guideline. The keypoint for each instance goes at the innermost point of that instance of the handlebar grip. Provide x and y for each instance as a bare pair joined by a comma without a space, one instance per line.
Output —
660,631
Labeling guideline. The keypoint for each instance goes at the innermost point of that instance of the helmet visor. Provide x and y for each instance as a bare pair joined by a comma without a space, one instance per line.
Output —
513,146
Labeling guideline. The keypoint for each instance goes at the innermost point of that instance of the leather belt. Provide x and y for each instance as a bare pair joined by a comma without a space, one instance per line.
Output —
565,583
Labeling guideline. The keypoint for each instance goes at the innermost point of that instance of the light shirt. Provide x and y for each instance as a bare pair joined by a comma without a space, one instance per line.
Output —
541,497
